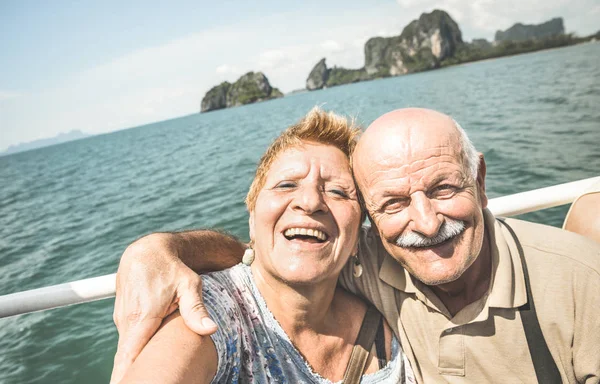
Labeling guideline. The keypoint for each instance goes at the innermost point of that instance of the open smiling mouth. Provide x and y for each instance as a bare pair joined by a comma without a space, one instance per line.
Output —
304,234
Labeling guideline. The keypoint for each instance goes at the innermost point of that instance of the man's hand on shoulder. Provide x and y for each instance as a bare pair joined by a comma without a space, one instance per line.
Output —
153,280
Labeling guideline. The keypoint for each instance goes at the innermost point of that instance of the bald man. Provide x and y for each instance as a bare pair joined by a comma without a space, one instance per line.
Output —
472,298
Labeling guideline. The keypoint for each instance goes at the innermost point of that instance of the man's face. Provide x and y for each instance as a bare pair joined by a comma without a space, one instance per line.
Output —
423,201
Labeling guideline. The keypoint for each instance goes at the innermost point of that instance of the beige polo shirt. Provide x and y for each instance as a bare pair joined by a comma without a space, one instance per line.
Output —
485,341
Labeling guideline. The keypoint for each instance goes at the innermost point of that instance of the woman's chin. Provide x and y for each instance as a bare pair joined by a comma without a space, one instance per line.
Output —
302,262
303,273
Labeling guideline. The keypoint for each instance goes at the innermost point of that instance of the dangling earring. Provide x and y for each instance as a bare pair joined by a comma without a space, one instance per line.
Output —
248,256
357,268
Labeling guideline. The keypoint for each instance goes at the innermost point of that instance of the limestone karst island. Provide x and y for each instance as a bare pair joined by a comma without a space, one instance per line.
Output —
250,88
432,41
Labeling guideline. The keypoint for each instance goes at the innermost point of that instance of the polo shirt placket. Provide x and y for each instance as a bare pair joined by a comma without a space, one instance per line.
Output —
507,290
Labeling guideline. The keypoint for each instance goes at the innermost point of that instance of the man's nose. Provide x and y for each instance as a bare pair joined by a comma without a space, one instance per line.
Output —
423,216
310,200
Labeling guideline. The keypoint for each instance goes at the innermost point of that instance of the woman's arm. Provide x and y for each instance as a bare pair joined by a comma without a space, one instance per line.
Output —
154,279
175,354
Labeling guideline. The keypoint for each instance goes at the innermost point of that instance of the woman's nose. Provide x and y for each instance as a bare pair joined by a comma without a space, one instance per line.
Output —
310,200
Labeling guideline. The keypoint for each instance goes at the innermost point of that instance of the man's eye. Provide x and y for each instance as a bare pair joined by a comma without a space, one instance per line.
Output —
394,205
445,190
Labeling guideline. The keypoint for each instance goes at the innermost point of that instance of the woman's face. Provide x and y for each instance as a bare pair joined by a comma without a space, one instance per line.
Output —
306,219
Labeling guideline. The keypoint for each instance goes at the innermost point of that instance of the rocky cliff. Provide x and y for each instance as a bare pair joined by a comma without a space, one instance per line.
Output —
215,98
434,40
436,31
317,78
321,76
520,32
422,45
250,88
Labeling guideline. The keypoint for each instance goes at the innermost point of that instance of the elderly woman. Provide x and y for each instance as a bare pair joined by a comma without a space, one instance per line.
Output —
280,315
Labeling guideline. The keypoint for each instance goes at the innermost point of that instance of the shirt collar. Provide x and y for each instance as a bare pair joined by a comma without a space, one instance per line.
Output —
507,289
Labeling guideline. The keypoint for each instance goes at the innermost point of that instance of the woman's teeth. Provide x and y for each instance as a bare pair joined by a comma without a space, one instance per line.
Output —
292,232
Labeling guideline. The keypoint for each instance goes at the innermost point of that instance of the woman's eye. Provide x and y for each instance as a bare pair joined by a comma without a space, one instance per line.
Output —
339,192
285,185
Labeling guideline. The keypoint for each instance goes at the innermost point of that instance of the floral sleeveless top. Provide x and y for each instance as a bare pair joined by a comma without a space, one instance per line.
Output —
253,348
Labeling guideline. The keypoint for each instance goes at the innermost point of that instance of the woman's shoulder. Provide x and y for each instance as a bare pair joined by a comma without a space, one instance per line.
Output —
232,286
238,274
231,302
394,366
230,295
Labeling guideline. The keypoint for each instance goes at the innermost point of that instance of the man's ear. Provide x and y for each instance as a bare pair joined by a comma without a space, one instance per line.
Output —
373,225
481,181
251,227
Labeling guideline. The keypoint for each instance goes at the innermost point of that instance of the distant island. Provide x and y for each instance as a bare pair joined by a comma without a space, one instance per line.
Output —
521,32
434,41
60,138
250,88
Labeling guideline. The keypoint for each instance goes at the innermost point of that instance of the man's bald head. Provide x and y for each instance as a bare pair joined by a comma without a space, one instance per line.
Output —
404,129
422,182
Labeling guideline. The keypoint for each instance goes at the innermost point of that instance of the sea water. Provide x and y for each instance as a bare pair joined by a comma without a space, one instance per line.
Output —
68,211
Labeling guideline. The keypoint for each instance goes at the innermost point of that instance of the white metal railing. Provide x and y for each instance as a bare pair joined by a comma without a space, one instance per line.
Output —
103,287
76,292
538,199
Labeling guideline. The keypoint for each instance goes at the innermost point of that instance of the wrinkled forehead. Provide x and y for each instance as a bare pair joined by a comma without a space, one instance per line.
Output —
326,160
409,146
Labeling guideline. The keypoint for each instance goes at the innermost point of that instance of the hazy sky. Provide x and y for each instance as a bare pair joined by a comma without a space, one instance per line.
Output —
99,66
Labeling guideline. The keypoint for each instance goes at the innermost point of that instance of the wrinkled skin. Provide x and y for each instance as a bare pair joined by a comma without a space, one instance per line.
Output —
412,176
152,282
410,169
307,187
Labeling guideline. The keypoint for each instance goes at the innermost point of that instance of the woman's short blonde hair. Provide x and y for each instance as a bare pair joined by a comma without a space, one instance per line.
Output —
318,127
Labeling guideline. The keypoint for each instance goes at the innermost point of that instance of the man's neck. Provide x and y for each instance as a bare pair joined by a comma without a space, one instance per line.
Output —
473,284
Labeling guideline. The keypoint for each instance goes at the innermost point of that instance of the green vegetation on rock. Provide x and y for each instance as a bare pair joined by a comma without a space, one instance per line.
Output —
216,97
422,60
317,78
435,40
250,88
475,52
521,32
421,46
338,76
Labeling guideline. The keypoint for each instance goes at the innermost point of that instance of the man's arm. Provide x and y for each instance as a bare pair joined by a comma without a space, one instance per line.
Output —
201,250
159,273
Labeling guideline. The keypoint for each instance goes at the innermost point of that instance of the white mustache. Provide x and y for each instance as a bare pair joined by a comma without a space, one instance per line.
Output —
449,229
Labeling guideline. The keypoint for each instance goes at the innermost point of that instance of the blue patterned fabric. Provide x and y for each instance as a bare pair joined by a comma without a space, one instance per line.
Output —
251,345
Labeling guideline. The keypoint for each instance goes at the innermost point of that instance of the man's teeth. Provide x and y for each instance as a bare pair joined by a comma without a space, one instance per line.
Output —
305,232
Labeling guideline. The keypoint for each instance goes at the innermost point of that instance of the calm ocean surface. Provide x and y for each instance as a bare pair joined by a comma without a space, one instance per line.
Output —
68,211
